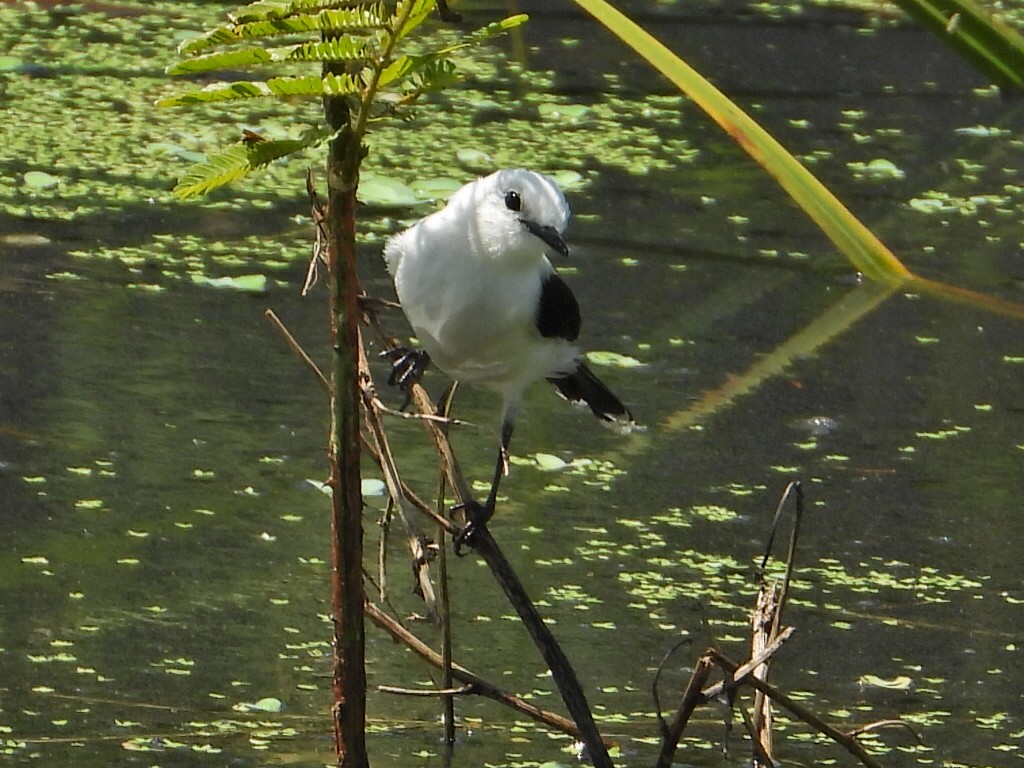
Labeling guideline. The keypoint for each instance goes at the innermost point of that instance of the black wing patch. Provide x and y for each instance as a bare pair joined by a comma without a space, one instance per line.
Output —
558,314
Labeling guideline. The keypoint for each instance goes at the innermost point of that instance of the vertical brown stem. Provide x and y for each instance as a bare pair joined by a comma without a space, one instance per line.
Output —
448,702
349,679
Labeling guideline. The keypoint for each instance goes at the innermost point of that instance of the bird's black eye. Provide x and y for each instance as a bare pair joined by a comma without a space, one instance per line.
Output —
513,202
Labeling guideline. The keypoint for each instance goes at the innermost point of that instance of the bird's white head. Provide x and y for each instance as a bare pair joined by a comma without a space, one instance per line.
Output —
519,215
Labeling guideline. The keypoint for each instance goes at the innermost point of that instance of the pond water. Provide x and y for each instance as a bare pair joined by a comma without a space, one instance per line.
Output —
163,541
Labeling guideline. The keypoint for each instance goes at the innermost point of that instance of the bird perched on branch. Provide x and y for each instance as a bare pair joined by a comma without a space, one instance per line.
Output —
476,285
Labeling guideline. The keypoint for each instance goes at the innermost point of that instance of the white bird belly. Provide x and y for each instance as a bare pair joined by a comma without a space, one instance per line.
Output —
476,320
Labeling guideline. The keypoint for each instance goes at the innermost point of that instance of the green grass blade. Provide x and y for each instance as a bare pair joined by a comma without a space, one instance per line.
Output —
865,251
995,49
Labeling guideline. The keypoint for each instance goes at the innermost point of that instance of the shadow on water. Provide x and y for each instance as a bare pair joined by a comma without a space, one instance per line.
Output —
163,568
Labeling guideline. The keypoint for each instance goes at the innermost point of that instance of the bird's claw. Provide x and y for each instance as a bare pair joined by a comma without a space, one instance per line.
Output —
407,366
476,515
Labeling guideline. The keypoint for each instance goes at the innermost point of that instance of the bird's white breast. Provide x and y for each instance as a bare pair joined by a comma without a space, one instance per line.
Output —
474,315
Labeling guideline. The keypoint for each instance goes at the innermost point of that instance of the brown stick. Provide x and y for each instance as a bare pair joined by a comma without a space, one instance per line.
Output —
879,724
691,699
460,673
561,670
295,347
748,667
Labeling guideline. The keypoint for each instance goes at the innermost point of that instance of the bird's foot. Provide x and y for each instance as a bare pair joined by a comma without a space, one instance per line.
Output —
407,366
476,515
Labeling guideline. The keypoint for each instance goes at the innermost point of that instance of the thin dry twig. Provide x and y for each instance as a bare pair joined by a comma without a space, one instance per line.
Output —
740,673
662,724
388,465
878,724
797,490
445,692
297,349
384,523
420,547
482,687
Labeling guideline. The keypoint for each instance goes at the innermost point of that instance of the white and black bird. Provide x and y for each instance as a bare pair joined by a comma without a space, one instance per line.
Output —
477,288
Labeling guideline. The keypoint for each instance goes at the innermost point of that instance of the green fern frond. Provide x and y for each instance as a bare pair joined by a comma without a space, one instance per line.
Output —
363,34
417,15
490,30
231,164
401,67
338,49
277,9
435,75
306,85
364,18
443,74
240,159
244,57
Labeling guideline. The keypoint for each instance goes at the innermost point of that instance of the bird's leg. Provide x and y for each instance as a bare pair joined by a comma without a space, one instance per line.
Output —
478,514
407,368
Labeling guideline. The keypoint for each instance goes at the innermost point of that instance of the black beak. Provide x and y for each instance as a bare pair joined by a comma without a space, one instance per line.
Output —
549,235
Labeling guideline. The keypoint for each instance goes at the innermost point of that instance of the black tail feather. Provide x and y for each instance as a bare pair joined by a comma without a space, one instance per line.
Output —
582,386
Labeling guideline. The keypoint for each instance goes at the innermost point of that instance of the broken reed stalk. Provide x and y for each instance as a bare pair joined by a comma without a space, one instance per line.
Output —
695,694
846,740
766,621
347,592
768,636
762,621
